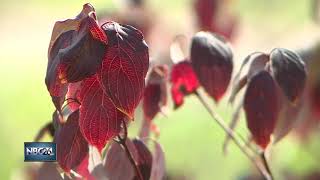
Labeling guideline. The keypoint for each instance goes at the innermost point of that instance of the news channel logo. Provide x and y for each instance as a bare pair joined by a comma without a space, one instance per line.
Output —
40,151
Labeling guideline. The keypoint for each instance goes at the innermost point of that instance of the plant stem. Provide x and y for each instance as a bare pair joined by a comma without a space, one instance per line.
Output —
122,142
221,123
265,163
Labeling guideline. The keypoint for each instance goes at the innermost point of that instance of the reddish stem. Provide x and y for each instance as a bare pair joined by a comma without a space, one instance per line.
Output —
122,142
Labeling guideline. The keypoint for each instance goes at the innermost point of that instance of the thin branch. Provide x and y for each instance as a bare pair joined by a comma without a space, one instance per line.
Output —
46,128
232,135
265,163
122,142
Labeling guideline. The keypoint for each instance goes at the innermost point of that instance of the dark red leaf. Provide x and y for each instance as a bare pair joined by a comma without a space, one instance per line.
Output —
84,56
205,12
261,104
57,88
289,71
225,28
155,93
116,162
315,97
151,100
184,82
144,160
212,61
72,148
48,171
125,66
99,119
158,170
76,50
118,166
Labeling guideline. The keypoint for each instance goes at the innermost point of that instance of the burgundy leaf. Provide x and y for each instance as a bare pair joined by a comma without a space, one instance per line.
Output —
155,93
212,61
116,162
158,163
118,166
125,66
99,119
227,28
144,160
48,171
84,56
56,87
289,71
76,50
184,82
72,148
261,104
315,97
205,12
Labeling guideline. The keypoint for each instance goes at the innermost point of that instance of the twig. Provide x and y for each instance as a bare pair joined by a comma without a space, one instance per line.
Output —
122,142
265,163
221,123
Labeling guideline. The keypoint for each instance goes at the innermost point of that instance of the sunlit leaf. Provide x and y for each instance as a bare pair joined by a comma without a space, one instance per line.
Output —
76,50
125,66
99,119
184,82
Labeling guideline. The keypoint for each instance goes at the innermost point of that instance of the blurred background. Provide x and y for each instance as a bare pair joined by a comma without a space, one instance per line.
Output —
191,140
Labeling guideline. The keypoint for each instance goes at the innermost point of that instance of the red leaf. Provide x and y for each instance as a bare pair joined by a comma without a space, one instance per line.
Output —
82,169
225,28
118,166
99,119
144,160
155,93
289,71
72,148
76,50
184,82
315,97
116,162
212,61
261,104
125,66
73,95
56,88
205,12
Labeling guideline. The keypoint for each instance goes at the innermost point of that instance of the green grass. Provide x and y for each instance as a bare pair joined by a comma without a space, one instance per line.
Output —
191,140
